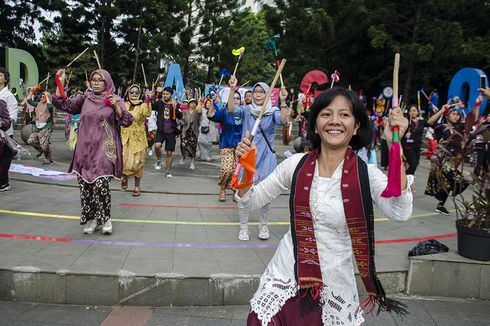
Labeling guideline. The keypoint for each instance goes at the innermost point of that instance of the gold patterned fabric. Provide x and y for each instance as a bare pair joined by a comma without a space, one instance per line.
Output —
134,140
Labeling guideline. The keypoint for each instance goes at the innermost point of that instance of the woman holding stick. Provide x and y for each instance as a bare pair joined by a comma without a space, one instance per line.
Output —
310,280
98,154
134,139
266,159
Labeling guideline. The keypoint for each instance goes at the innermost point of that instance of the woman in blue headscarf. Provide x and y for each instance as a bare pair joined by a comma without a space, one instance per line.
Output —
264,140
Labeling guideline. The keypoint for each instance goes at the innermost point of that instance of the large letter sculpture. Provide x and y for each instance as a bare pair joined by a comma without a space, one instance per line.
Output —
14,58
465,84
174,77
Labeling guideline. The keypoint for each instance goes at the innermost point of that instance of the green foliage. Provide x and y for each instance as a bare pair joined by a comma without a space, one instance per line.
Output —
357,37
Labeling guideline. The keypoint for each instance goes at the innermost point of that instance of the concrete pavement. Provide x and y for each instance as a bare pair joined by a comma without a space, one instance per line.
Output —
174,241
423,311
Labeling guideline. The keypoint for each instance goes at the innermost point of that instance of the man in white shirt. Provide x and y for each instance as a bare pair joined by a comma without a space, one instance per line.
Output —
9,98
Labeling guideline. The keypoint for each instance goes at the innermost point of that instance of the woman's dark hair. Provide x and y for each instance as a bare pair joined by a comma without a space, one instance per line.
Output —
364,133
5,74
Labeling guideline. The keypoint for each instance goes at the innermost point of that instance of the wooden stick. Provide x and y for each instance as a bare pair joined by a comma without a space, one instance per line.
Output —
396,68
269,93
245,84
236,66
282,81
42,81
428,99
78,57
144,75
97,58
267,98
47,81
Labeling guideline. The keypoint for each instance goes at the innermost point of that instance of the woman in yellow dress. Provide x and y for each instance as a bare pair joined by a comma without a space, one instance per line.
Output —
134,139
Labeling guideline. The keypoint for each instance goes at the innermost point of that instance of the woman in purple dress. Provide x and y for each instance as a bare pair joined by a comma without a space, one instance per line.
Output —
98,153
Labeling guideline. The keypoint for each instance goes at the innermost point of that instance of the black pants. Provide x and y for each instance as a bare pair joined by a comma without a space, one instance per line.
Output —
413,158
5,161
384,154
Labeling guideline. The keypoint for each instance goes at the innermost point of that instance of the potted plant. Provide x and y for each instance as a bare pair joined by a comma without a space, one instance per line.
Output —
465,154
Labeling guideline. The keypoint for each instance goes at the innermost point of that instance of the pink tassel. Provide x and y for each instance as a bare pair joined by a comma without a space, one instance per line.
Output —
394,186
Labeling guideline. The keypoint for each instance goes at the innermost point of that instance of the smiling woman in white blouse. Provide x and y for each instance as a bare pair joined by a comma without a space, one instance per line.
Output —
310,280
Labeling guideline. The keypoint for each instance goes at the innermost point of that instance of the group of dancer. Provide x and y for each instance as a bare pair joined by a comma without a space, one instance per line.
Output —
114,136
333,191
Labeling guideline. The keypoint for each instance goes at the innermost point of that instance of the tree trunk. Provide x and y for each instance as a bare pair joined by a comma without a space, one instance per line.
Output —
189,49
412,61
138,42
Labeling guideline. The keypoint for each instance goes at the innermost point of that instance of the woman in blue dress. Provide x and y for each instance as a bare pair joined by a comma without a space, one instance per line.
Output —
264,140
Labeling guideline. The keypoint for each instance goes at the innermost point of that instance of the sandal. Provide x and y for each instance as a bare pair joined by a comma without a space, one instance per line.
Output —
124,183
222,196
136,191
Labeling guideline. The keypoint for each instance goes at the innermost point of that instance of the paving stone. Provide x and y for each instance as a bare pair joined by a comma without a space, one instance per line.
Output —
39,287
457,280
196,292
140,291
91,290
485,283
419,281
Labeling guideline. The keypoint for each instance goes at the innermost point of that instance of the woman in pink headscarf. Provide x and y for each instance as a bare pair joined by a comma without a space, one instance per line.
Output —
98,154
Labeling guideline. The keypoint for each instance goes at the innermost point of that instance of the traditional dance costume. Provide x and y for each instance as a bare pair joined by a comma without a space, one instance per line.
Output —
331,220
98,154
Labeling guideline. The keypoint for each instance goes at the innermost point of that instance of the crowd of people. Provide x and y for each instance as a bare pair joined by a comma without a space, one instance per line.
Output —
332,181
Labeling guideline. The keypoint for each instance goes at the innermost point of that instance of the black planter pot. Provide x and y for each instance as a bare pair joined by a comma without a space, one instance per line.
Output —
473,243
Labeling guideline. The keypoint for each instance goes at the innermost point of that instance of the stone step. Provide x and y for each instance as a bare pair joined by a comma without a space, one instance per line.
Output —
64,287
448,275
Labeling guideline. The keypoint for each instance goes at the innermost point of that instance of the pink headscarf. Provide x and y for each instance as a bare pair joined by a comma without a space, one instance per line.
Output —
109,85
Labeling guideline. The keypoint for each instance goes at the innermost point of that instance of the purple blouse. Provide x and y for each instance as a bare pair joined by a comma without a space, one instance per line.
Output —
98,152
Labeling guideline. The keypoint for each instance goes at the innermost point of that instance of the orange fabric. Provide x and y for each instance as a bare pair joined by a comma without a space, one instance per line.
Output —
247,163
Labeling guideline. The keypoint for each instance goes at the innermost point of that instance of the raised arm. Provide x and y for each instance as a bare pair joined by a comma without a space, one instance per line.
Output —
231,103
285,110
432,120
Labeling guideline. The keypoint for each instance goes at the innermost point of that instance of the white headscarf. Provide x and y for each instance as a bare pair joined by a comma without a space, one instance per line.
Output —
254,108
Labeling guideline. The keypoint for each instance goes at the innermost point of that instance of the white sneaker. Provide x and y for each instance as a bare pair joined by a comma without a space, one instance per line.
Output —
107,228
150,153
168,175
244,235
263,232
91,227
192,167
158,165
182,160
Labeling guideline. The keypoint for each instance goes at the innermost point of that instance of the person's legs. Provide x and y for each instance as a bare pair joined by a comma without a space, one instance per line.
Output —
168,161
410,155
5,161
442,196
244,215
33,141
264,218
137,188
170,142
102,203
44,138
87,215
158,151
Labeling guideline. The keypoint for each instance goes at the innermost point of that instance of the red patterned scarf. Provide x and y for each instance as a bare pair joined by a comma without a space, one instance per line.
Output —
359,214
